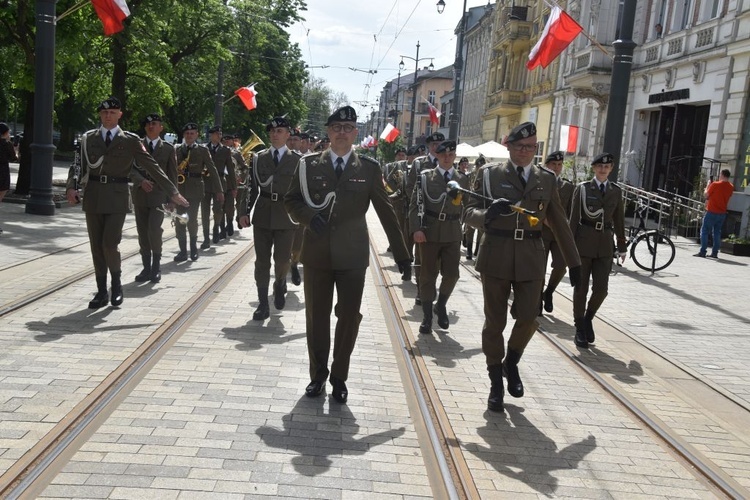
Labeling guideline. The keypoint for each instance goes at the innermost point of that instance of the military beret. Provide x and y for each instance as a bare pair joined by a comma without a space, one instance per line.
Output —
215,128
227,137
304,136
411,151
111,103
555,156
153,117
435,137
325,139
190,126
344,114
277,122
522,131
237,136
463,160
446,147
603,158
296,132
421,149
480,161
4,128
401,150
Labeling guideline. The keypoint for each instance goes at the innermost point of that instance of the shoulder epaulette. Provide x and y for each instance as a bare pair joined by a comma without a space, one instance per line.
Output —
370,159
544,168
131,135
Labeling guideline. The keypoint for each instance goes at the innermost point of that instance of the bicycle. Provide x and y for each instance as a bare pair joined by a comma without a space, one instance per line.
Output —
645,244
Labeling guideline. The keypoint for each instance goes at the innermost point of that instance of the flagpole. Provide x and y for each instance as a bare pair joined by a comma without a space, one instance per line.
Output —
552,3
74,8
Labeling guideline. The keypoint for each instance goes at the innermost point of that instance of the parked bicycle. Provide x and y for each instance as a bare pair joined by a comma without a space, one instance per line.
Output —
650,249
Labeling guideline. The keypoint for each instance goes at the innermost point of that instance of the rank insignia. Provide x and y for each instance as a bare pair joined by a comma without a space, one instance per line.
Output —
541,205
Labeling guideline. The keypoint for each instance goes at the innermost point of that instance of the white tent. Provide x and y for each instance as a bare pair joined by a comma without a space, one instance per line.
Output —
493,150
465,149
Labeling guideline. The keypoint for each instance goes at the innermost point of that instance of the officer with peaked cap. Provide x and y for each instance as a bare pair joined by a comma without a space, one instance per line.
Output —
435,222
273,229
107,156
597,219
148,198
512,255
554,162
225,166
330,196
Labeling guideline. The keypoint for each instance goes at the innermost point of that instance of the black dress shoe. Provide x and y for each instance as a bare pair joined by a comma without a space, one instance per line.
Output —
116,295
495,400
216,234
100,300
279,295
588,325
515,386
222,234
548,306
296,278
262,312
314,388
230,229
340,392
580,338
206,244
143,276
181,256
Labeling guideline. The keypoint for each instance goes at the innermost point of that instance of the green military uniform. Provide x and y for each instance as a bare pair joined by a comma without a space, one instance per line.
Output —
241,171
395,178
196,161
148,216
596,219
469,232
224,164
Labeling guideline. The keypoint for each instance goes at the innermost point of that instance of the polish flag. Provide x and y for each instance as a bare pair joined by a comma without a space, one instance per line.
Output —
434,114
569,138
247,96
112,13
390,133
560,30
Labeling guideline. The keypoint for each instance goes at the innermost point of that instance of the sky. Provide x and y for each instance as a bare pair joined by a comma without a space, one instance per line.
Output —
370,36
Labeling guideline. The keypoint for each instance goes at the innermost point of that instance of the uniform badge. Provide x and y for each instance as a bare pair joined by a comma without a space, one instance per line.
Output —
591,208
541,206
316,196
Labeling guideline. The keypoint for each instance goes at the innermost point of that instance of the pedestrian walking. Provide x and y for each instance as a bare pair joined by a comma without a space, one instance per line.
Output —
717,197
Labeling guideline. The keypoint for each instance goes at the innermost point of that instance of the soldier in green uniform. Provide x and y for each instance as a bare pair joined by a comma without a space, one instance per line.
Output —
273,230
554,162
107,156
244,180
435,221
240,173
394,174
512,254
221,157
469,232
330,195
597,218
194,167
148,199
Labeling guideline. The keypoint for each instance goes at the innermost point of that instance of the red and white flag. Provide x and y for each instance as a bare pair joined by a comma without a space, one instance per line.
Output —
434,113
569,138
560,30
247,96
390,133
112,13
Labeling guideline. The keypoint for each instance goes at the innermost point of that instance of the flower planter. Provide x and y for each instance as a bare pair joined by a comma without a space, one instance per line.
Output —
741,249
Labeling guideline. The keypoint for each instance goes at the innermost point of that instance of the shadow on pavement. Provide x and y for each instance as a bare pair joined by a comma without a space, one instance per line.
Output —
86,321
445,350
253,335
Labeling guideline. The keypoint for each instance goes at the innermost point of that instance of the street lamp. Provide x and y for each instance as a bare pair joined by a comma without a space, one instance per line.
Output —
414,89
458,67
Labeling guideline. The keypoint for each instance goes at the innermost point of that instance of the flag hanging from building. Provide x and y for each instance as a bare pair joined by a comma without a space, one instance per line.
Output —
560,30
390,133
569,138
247,96
434,113
111,13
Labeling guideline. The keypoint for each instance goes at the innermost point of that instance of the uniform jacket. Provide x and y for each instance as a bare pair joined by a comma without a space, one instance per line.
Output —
565,190
240,168
419,164
593,242
394,174
344,244
118,158
165,157
200,160
434,187
270,212
524,259
224,163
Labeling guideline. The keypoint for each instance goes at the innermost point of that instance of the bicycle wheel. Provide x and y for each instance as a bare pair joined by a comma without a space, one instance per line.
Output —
652,251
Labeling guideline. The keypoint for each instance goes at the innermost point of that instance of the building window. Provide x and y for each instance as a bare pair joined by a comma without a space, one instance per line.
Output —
431,97
710,9
681,15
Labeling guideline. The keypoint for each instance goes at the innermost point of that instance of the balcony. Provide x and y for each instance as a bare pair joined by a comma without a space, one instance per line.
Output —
505,102
540,90
590,67
513,29
684,43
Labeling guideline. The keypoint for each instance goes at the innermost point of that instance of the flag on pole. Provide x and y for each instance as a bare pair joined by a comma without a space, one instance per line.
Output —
569,138
247,96
560,30
390,133
111,13
434,113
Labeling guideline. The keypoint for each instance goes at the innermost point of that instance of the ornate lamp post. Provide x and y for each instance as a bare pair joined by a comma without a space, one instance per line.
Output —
414,89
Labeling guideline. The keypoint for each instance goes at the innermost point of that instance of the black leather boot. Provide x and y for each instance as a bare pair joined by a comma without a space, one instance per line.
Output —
296,278
263,311
510,370
588,325
116,289
426,326
102,297
442,313
206,240
146,273
222,230
580,338
156,269
279,294
182,255
497,391
548,306
216,234
194,248
230,228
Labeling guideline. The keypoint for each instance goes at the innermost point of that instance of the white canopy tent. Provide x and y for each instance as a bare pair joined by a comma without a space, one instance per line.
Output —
493,150
465,149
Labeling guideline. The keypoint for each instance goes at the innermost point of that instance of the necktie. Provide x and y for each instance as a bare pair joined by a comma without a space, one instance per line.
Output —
275,156
339,166
447,176
150,147
520,176
602,188
108,139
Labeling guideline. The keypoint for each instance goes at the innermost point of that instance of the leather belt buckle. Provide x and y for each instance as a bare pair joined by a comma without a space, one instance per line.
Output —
103,179
599,225
274,196
441,216
518,234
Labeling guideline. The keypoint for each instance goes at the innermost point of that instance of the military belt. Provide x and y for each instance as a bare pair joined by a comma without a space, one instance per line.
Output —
108,179
442,215
267,194
516,234
598,225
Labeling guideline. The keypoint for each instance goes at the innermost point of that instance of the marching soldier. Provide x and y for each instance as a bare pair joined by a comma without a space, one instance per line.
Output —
304,143
330,195
272,171
435,221
294,141
463,166
468,241
512,253
148,198
107,155
394,174
194,168
554,162
244,179
400,154
224,164
240,171
597,215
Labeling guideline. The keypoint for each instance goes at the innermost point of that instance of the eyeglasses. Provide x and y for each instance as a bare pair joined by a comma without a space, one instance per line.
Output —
523,147
346,128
